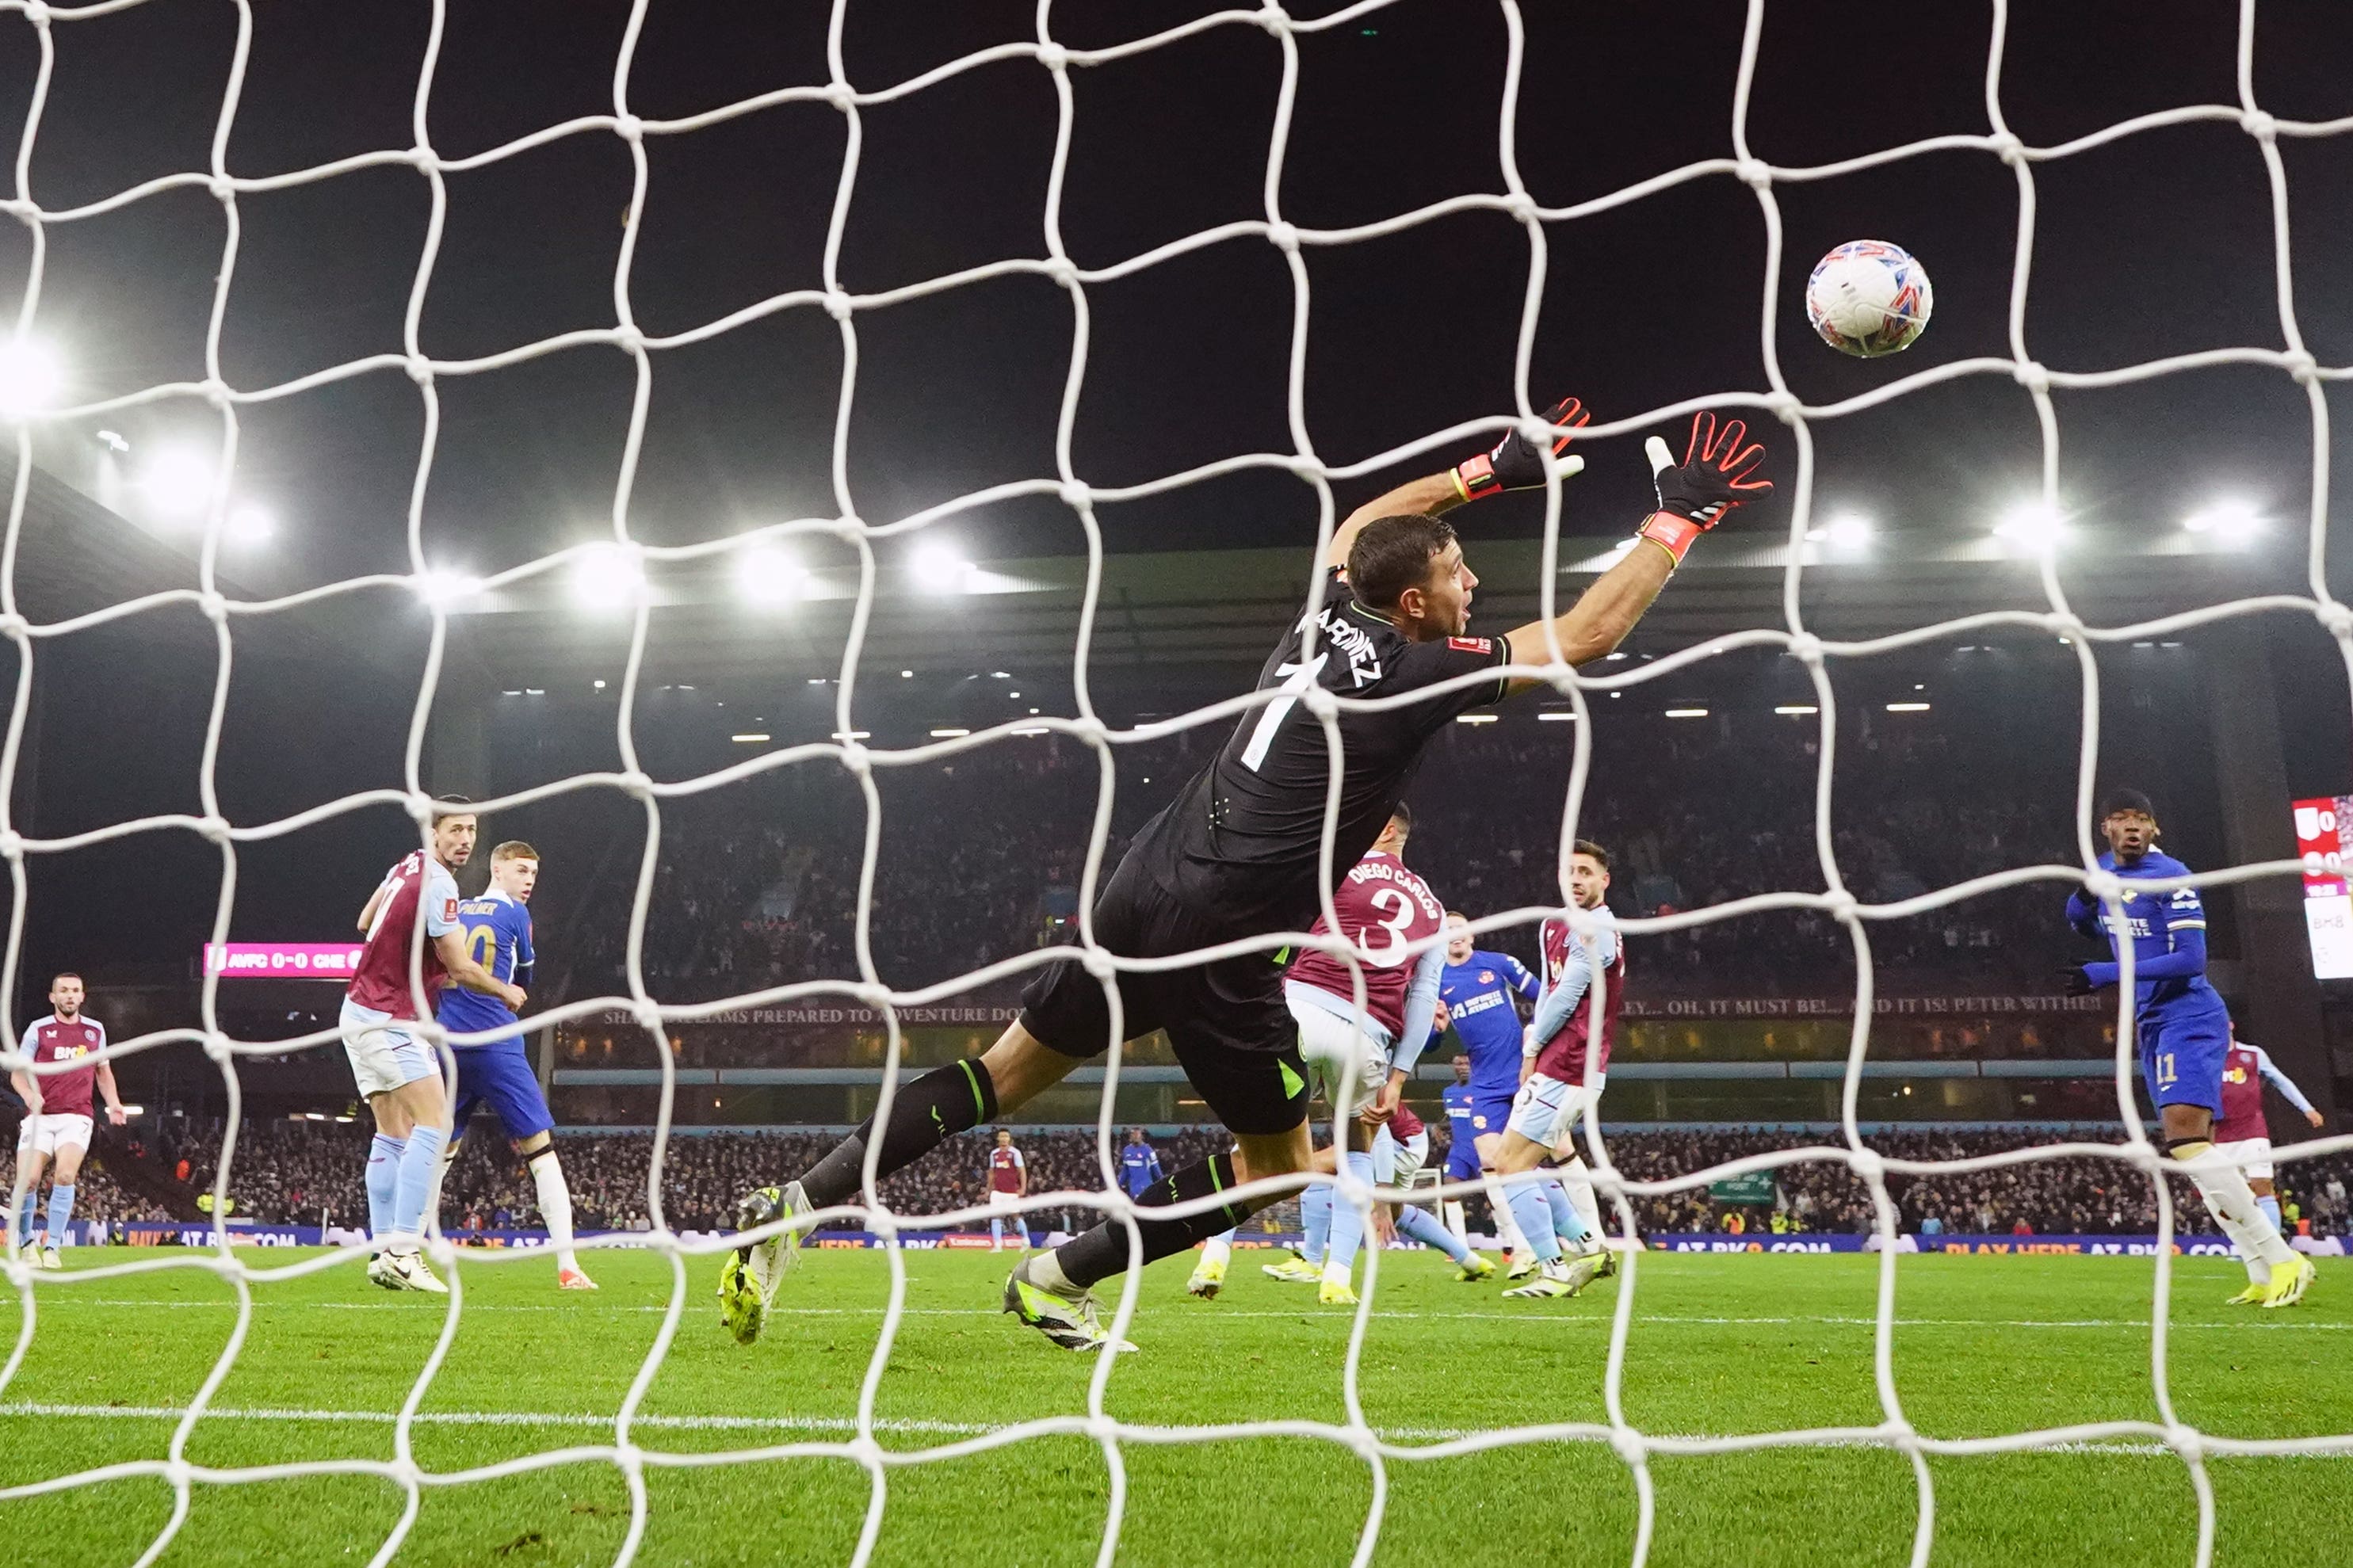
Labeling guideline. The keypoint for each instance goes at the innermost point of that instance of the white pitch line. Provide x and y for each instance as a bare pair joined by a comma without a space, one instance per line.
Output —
925,1427
1176,1311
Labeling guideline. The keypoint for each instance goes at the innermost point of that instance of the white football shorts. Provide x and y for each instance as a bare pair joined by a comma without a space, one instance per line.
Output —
1545,1106
2255,1154
1003,1203
46,1134
384,1055
1330,1045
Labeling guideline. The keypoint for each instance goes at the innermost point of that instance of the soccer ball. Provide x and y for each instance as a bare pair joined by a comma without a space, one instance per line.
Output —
1869,297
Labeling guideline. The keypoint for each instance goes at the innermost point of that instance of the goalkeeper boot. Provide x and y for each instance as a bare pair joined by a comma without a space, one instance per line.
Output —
572,1280
1207,1280
1477,1270
748,1279
1295,1270
2289,1282
1557,1278
1065,1315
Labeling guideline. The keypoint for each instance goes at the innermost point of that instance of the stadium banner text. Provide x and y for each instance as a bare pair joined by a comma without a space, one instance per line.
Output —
283,959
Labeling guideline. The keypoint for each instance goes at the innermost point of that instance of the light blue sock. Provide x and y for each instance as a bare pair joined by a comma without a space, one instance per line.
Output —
1348,1220
416,1180
996,1231
61,1211
2269,1205
1566,1223
1534,1217
1423,1226
382,1177
1315,1218
25,1215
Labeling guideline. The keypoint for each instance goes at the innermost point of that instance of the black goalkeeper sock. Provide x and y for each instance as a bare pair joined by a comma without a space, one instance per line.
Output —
1102,1251
926,1114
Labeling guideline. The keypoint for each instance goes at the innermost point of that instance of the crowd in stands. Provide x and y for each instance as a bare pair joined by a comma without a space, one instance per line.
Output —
979,859
300,1171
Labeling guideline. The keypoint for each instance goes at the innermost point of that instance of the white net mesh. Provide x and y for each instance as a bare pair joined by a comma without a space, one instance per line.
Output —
622,1448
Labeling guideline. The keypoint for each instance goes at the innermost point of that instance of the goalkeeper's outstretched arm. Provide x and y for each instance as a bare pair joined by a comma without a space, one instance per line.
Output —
1514,463
1718,475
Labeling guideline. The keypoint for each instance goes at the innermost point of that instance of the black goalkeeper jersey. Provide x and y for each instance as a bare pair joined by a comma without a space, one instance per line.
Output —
1240,846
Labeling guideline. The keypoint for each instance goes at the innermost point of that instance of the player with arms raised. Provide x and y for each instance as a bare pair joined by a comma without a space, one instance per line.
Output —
57,1121
2243,1136
498,937
1239,854
396,1073
2184,1028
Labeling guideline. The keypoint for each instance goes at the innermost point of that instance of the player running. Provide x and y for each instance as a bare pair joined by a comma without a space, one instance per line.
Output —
2243,1135
1477,987
1554,1093
2184,1029
396,1073
1237,855
496,934
1009,1183
58,1123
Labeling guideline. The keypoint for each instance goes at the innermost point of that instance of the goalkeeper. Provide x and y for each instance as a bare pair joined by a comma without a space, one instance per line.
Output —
1238,854
2184,1029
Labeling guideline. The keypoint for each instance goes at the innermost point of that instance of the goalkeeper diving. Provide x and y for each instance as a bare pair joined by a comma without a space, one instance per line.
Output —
1238,854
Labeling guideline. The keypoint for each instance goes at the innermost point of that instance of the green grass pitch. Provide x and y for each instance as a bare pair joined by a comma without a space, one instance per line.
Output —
1720,1344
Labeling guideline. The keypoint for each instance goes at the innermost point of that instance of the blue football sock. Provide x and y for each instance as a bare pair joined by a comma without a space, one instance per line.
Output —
1315,1218
2269,1205
1535,1216
416,1180
1566,1223
1423,1226
382,1177
25,1215
1348,1220
996,1232
61,1211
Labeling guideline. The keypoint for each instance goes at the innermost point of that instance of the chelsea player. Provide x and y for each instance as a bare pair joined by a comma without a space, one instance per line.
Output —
1476,988
2184,1028
496,932
1461,1146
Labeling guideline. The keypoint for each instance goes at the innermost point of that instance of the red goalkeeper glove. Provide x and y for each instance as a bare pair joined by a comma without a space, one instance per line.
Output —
1716,477
1516,463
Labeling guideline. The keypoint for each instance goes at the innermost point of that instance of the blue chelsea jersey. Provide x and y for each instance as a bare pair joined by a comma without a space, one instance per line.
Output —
1478,997
2158,924
1458,1099
498,937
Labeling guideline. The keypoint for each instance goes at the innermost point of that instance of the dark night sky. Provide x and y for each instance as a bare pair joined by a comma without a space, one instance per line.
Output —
2159,243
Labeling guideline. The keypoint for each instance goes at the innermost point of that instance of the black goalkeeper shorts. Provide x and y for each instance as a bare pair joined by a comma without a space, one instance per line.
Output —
1226,1020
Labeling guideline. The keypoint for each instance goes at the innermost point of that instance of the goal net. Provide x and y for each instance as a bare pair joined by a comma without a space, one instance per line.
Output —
627,1446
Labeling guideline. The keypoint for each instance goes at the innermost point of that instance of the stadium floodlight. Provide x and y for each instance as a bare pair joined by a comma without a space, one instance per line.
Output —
178,480
1556,716
1848,530
938,568
950,734
31,376
250,524
598,685
750,738
2232,521
606,577
1458,717
1797,708
2033,525
1686,712
448,586
768,575
1907,708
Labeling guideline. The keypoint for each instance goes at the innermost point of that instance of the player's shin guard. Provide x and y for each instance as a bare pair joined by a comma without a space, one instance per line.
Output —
432,1210
924,1115
1534,1217
1580,1182
554,1206
25,1216
1102,1251
1423,1226
61,1200
1507,1226
2233,1203
418,1162
1316,1221
383,1180
1566,1223
2269,1205
1348,1221
1457,1221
